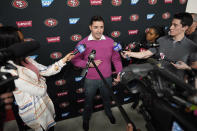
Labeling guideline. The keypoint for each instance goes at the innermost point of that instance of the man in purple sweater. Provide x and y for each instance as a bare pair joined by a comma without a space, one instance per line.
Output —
104,56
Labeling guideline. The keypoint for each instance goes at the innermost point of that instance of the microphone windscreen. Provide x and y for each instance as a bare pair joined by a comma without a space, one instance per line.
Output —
23,48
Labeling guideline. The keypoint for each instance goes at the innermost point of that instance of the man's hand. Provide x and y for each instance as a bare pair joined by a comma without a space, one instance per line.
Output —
181,65
116,80
7,98
97,62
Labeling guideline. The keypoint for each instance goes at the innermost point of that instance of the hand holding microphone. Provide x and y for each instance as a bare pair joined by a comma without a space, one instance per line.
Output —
79,49
117,47
88,64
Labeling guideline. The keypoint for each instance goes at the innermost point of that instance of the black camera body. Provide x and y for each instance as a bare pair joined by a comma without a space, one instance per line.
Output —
164,97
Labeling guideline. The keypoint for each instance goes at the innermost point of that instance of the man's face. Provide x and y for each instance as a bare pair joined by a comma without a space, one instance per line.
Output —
176,28
97,29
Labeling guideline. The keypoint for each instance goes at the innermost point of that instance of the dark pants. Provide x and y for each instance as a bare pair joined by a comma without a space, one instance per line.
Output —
91,87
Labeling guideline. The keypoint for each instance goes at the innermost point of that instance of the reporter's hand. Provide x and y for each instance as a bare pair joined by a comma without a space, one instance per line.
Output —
125,54
97,62
7,98
68,57
181,65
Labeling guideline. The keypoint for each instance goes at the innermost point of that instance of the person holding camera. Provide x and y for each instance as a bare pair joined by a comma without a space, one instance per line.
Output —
35,107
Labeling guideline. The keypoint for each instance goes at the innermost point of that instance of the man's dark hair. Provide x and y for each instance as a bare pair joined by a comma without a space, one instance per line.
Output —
186,18
96,18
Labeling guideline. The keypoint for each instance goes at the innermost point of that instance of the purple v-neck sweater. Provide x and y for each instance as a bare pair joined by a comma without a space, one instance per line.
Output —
104,52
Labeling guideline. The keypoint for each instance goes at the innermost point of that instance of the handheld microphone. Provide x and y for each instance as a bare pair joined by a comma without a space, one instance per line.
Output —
79,49
133,45
164,57
117,47
85,70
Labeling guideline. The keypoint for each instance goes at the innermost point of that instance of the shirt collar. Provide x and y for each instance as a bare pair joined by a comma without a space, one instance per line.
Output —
171,38
90,37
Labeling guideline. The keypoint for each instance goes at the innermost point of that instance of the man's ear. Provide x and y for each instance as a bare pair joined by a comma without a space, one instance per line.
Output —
90,27
185,28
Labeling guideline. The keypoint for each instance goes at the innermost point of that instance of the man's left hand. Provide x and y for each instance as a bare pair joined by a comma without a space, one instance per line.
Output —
116,80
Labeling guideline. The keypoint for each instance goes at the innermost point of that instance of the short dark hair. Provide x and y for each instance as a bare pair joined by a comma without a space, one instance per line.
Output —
186,18
96,18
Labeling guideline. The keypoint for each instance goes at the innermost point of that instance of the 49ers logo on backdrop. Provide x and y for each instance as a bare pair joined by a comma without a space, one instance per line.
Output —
115,34
182,1
60,82
152,2
19,4
116,2
134,17
51,22
56,55
166,15
64,104
73,3
80,90
76,37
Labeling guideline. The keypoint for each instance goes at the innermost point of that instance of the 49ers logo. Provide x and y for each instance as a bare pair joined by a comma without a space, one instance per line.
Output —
60,82
75,37
56,55
51,22
19,4
152,2
73,3
80,90
116,2
115,34
166,15
182,1
64,104
134,17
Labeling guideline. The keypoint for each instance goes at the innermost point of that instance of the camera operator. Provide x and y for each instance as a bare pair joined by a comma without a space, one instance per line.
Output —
35,107
175,46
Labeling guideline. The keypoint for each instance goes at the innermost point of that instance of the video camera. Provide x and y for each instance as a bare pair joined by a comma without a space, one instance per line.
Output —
165,104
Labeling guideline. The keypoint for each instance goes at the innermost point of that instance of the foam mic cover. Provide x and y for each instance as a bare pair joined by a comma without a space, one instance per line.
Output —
80,49
23,49
117,46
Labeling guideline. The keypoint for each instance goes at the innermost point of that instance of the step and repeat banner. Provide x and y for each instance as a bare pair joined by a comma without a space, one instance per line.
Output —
59,24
